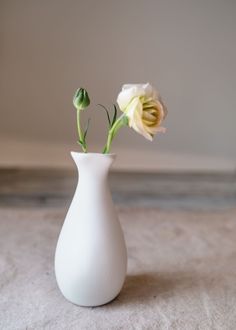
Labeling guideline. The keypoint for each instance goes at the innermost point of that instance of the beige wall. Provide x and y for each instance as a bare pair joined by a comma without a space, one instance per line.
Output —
186,48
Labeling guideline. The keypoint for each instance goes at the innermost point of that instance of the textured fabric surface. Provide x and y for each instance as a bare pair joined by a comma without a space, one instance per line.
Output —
181,273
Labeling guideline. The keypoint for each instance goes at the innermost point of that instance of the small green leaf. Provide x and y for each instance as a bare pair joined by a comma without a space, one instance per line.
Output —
80,142
108,117
86,130
115,115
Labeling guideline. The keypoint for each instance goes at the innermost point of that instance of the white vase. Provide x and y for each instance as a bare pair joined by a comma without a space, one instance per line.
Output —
91,257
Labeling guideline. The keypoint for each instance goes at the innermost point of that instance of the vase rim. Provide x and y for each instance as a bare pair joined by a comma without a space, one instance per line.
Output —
92,153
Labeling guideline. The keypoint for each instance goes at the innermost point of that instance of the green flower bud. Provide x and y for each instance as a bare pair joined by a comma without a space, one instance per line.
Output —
81,99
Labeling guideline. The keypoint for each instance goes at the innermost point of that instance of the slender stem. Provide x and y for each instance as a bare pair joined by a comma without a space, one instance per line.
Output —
108,144
113,131
81,138
78,125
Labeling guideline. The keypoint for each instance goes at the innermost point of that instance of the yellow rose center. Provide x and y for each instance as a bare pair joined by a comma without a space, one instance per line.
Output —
151,114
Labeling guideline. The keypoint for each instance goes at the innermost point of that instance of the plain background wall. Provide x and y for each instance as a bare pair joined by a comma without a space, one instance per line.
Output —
186,48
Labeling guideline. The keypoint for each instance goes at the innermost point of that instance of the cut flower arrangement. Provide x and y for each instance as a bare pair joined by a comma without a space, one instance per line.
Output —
91,255
141,106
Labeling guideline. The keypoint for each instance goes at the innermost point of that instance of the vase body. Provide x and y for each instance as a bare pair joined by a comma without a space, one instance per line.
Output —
91,257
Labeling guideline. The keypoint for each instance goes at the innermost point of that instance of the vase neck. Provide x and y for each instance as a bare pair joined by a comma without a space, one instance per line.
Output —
90,164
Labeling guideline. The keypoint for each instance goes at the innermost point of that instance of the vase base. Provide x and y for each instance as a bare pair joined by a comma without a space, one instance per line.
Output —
91,305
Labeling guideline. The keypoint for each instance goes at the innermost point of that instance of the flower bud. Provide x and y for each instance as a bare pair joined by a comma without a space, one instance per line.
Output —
81,99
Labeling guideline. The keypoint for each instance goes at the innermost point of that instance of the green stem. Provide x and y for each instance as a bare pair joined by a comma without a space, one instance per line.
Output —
113,131
108,144
81,137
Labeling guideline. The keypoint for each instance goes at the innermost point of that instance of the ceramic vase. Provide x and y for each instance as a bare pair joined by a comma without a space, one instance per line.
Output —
91,258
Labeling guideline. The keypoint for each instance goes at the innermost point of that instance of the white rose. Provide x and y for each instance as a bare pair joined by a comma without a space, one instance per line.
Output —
143,107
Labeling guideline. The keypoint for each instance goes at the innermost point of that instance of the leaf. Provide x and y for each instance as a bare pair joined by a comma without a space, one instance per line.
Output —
80,142
86,130
115,115
108,117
